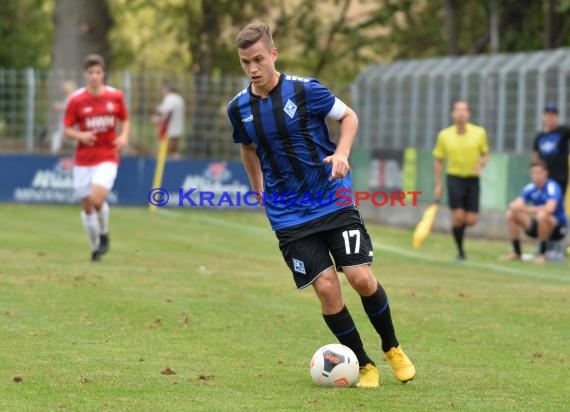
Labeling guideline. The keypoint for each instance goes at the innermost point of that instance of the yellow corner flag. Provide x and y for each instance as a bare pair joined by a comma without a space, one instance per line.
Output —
161,157
423,228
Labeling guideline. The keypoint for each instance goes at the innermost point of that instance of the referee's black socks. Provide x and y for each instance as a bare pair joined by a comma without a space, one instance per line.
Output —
343,327
378,310
517,247
458,233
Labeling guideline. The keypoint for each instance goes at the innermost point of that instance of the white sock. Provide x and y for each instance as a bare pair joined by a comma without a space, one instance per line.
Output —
91,225
103,216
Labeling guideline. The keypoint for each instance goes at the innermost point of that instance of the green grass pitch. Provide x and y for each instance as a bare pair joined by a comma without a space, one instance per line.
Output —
206,294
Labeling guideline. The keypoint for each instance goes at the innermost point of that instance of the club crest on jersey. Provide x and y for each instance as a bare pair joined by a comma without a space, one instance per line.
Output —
110,106
87,109
299,266
290,108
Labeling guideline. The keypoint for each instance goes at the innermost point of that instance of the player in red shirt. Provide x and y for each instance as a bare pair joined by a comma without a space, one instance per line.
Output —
97,110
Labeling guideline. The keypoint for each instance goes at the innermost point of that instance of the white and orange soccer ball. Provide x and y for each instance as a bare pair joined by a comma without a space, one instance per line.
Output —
334,365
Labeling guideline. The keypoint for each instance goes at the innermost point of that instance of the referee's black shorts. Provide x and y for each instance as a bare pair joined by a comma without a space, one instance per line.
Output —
463,193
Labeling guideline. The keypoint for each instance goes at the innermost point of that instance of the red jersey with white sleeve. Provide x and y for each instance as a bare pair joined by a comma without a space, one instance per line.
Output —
97,114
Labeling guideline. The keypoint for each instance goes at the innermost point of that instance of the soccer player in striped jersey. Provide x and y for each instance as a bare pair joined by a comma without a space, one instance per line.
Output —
96,110
279,122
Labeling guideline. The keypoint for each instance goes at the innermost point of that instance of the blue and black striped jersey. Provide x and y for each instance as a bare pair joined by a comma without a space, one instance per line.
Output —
291,137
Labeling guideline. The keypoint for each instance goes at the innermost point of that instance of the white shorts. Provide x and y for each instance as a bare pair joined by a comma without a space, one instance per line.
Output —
84,177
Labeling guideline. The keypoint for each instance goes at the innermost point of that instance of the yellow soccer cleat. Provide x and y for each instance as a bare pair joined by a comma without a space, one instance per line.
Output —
369,376
403,368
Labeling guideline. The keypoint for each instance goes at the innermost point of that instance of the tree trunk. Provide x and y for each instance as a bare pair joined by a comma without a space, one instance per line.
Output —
450,10
327,50
548,18
81,27
494,19
202,47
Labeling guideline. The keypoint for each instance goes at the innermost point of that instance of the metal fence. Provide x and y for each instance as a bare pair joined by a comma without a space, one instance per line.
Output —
401,104
28,119
406,103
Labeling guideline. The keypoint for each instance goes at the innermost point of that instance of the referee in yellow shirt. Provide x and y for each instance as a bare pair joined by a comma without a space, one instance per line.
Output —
465,147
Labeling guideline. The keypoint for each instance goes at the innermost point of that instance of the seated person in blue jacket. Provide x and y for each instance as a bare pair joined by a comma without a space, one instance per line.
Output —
539,210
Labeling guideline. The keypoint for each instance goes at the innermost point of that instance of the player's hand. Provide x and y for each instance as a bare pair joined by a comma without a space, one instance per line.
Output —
437,192
478,169
339,164
259,198
120,142
87,138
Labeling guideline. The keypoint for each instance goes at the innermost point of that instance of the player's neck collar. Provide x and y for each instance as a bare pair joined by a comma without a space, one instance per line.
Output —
464,130
277,85
100,91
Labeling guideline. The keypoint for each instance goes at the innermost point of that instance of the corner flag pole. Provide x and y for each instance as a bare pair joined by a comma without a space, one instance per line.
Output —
423,228
160,158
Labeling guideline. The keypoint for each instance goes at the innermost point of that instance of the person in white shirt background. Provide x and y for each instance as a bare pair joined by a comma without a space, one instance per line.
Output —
172,108
67,87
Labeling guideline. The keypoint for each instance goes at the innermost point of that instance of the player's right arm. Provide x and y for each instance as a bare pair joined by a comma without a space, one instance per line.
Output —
521,203
87,137
439,155
70,120
252,167
437,169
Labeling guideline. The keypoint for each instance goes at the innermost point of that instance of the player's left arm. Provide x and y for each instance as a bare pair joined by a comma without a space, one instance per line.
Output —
123,139
553,195
550,206
123,124
484,150
339,159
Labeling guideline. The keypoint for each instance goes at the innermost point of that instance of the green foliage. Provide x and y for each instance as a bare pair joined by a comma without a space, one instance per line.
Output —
208,295
333,39
25,33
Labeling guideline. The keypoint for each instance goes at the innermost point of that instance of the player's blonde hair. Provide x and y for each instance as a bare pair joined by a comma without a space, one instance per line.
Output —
252,33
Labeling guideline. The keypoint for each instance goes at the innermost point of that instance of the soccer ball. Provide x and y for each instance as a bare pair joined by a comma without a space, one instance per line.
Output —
334,365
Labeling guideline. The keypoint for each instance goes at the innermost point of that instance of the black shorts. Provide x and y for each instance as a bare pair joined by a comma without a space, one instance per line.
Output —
463,193
307,248
558,233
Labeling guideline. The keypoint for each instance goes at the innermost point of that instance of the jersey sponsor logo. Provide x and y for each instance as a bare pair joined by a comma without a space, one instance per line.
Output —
299,266
101,123
290,108
247,119
548,145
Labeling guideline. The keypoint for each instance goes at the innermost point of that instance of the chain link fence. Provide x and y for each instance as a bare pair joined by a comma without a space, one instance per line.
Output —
29,114
29,100
406,103
401,104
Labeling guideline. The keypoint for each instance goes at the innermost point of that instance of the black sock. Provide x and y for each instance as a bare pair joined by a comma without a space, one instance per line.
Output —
458,232
517,246
542,246
378,310
343,327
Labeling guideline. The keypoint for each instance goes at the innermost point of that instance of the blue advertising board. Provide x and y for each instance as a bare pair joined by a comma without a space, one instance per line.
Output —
49,179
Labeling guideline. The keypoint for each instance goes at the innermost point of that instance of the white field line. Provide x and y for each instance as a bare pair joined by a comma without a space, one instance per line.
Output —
559,276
